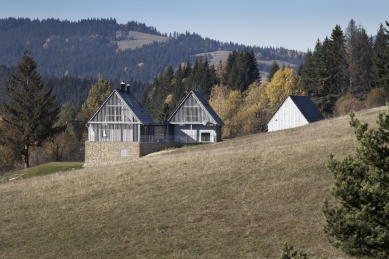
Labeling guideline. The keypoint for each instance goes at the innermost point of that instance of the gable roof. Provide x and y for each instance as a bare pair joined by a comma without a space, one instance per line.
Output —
203,103
132,104
307,108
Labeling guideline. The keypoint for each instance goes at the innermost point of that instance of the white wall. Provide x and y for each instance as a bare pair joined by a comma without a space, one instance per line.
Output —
288,116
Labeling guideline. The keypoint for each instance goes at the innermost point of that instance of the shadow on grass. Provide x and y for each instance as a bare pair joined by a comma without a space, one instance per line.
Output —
40,170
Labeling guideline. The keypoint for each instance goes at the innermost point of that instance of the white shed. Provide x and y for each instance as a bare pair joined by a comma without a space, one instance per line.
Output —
295,111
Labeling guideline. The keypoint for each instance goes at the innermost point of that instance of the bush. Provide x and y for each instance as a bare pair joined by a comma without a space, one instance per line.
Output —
377,97
7,159
347,103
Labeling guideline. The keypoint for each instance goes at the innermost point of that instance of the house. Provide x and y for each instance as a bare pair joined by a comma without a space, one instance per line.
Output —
121,129
194,120
295,111
120,118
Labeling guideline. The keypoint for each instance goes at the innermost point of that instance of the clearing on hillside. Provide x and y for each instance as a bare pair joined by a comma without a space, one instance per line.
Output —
137,40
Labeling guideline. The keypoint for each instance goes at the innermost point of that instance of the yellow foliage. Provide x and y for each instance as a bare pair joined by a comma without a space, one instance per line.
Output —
249,112
219,95
97,95
254,111
285,82
232,122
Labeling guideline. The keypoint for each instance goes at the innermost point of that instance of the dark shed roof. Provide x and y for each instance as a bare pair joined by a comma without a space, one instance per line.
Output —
135,107
307,108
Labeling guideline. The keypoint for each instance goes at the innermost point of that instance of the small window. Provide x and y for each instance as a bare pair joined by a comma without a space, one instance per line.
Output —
124,153
205,137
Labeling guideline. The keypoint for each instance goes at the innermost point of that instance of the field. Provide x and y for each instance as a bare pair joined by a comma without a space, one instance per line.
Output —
240,198
138,39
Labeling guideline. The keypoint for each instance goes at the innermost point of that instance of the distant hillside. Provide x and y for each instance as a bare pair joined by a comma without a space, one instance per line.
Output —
93,47
241,198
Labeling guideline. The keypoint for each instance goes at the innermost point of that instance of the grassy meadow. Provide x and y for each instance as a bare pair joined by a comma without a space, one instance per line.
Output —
240,198
138,39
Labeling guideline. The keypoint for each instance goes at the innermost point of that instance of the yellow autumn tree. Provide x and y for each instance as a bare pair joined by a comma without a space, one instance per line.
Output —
232,122
254,111
285,82
97,95
218,97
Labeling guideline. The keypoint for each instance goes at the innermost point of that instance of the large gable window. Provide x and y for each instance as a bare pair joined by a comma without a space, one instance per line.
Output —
193,113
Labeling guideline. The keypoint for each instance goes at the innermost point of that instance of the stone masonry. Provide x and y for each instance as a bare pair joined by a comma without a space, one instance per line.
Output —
108,153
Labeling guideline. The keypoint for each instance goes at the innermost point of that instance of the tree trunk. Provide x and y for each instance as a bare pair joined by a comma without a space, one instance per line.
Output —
26,157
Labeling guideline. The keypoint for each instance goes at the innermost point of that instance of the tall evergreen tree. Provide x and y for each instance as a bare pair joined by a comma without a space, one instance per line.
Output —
274,68
241,70
30,116
380,70
336,62
358,222
358,53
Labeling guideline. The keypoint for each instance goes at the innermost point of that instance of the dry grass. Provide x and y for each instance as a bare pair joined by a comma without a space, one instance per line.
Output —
241,198
138,39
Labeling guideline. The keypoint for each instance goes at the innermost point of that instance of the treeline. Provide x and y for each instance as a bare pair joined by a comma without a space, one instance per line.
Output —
238,72
88,48
349,62
71,89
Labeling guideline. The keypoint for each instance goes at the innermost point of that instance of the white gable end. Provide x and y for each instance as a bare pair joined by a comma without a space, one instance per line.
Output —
287,116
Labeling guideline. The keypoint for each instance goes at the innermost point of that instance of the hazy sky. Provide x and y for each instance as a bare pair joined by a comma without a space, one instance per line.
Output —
294,24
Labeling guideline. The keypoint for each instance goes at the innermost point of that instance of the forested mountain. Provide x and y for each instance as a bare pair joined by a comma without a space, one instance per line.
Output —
89,48
72,89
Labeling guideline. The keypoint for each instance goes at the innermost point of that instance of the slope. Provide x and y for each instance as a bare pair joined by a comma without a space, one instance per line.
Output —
240,198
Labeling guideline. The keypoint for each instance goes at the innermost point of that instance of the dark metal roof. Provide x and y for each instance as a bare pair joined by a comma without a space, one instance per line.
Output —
130,100
132,103
204,104
307,108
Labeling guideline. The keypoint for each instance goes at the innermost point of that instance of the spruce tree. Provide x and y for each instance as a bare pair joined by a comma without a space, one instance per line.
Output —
29,117
380,70
358,221
273,69
336,62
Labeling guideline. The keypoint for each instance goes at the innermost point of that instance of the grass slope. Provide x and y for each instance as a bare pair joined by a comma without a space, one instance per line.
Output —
41,170
241,198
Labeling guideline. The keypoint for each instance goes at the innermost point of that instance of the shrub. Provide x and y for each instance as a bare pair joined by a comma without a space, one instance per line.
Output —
347,103
7,159
377,97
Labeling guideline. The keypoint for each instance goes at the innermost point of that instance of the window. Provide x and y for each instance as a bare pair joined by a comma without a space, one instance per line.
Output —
192,114
124,153
205,137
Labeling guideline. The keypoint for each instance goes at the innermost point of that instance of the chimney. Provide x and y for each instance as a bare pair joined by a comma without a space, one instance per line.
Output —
122,84
128,89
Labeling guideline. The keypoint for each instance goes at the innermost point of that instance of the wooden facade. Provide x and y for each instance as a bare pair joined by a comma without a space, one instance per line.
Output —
194,120
295,111
120,118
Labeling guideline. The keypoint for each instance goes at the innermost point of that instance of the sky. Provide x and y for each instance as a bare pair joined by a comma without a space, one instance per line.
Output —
294,24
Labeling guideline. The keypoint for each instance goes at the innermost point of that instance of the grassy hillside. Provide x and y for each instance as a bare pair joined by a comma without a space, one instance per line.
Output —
241,198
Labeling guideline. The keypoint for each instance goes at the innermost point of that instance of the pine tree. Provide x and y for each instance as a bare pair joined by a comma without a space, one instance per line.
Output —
274,68
358,222
30,116
358,53
380,70
336,62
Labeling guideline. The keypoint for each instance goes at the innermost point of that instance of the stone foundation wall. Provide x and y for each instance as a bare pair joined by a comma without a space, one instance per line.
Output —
108,153
147,148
